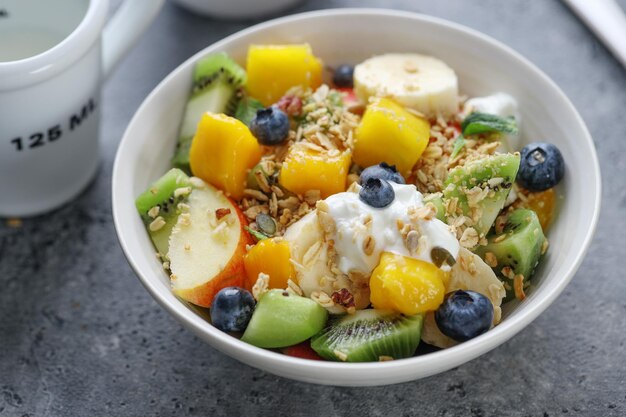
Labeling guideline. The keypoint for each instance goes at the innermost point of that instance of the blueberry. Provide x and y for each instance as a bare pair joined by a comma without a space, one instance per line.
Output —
270,126
377,193
342,77
232,309
541,166
383,172
464,315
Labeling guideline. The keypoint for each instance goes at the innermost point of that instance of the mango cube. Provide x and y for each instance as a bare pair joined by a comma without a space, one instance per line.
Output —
542,203
389,133
407,285
270,256
306,169
222,152
274,69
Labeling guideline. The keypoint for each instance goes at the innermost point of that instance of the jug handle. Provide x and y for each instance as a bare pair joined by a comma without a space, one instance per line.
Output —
124,30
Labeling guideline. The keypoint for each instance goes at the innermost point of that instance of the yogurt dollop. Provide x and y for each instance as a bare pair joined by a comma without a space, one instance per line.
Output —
356,222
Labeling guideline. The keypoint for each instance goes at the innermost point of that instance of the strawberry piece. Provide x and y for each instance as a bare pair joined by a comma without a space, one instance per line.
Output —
349,98
302,350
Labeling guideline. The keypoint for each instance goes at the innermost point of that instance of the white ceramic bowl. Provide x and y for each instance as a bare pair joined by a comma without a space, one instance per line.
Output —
236,9
350,35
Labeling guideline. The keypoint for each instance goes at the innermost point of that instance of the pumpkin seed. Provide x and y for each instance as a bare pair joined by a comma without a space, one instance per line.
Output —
440,255
266,224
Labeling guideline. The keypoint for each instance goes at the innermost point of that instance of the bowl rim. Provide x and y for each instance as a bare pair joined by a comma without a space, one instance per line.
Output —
446,358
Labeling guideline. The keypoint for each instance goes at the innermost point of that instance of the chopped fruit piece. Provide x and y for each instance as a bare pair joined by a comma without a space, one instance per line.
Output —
542,203
283,319
216,80
302,350
382,171
306,169
274,69
161,190
514,253
222,152
464,315
207,254
158,206
389,133
468,273
232,309
369,336
419,82
350,100
270,256
270,126
407,285
480,188
377,193
305,238
541,166
437,201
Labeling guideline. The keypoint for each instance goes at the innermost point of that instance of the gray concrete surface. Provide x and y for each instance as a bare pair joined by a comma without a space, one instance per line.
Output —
79,336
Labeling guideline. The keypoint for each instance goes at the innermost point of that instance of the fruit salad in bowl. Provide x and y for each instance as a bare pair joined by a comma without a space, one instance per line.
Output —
350,213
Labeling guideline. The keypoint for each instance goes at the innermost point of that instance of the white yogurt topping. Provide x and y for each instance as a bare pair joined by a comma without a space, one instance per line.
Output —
500,104
350,214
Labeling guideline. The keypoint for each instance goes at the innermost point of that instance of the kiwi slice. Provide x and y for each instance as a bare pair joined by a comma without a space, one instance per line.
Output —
518,247
368,336
436,200
282,318
158,206
216,83
494,175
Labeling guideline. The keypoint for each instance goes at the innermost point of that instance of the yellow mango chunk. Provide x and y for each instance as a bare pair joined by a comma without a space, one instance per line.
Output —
389,133
305,169
407,285
274,69
222,152
270,256
543,204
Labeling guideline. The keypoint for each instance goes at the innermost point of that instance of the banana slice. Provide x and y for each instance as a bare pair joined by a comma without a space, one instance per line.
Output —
311,260
469,273
420,82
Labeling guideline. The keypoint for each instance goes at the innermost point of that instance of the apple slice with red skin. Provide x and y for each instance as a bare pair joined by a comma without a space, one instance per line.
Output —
207,246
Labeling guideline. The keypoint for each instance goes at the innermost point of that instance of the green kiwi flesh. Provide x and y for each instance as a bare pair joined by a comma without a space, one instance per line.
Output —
162,194
282,318
519,249
369,335
494,174
437,201
216,83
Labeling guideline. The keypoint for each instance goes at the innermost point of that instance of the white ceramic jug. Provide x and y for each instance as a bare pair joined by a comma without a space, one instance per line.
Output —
54,56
